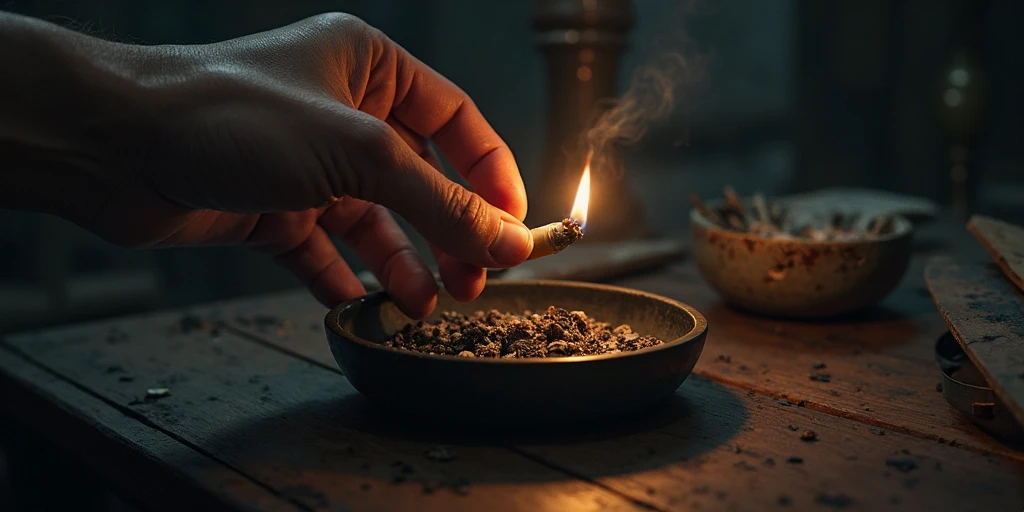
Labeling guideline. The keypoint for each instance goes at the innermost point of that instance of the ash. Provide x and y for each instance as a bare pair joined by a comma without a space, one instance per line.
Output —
570,233
775,220
555,333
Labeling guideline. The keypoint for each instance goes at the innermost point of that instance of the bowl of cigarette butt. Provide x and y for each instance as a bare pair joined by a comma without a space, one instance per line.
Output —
808,262
523,354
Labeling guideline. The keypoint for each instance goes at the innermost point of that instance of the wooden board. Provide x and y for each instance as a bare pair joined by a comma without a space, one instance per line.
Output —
985,313
292,428
142,463
300,432
881,368
1005,242
686,459
598,262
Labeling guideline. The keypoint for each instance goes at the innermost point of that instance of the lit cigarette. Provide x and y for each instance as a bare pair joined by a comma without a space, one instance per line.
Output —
554,238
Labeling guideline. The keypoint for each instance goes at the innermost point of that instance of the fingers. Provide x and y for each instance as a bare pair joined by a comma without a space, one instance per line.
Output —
416,142
463,281
435,108
459,222
378,240
316,262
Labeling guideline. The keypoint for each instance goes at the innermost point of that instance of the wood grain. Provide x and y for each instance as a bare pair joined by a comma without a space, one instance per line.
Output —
881,368
1005,242
293,428
144,464
880,365
985,313
684,458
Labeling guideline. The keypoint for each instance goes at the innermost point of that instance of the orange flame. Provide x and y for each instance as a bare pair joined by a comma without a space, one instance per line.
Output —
579,206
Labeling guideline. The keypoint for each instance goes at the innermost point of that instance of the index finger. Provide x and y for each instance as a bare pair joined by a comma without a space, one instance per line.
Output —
432,106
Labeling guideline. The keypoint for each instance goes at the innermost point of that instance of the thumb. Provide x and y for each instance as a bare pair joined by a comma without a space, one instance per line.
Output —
456,220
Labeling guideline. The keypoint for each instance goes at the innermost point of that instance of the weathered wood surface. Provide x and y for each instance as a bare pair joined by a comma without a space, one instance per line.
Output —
985,313
295,429
260,418
299,432
881,366
1005,242
123,448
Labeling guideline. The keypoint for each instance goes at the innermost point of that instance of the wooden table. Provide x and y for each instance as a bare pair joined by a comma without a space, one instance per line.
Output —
260,418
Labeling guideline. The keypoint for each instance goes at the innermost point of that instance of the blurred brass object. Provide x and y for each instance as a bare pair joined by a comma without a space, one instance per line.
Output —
962,107
582,41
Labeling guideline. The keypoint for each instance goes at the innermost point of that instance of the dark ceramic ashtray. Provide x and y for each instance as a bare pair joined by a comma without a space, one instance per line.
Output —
521,392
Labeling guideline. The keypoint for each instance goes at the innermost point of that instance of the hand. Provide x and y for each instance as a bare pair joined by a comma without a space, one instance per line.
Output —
277,140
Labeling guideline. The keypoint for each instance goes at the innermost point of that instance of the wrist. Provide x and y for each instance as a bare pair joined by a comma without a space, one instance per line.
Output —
76,113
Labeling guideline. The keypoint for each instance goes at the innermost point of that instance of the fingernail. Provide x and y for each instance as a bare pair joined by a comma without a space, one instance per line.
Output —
512,245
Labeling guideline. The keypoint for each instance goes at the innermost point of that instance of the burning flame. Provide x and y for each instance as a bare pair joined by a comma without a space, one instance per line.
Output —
579,206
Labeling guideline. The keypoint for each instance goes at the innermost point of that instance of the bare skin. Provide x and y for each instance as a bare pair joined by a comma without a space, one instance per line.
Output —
273,141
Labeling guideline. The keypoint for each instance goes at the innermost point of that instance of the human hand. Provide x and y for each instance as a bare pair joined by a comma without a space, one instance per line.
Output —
277,140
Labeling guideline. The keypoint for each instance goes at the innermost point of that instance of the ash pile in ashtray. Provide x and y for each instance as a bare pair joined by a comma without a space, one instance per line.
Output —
555,333
776,220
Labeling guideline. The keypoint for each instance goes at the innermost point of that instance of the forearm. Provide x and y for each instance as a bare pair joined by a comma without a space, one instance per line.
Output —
65,103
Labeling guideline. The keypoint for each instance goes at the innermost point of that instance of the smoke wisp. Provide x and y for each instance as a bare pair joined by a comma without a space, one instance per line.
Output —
654,93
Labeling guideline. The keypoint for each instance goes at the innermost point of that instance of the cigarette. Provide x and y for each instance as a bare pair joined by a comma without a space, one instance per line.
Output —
704,211
734,202
762,208
554,238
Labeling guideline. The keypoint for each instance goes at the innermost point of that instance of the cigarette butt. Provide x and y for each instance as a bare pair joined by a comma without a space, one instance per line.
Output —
554,238
736,222
882,225
704,211
762,208
734,202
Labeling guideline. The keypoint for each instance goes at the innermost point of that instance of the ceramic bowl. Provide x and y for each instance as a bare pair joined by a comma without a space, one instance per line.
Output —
800,278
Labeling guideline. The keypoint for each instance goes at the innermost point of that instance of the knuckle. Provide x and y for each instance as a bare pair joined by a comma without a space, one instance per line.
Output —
339,22
351,27
466,210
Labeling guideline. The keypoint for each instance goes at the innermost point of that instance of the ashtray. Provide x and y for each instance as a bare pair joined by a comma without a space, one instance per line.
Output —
528,391
799,277
966,389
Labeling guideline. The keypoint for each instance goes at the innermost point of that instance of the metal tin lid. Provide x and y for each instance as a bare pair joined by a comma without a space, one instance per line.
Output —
966,389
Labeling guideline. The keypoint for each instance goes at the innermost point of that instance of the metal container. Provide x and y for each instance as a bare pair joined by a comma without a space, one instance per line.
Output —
966,389
521,392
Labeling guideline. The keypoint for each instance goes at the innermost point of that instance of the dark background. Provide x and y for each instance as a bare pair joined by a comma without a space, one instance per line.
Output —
798,94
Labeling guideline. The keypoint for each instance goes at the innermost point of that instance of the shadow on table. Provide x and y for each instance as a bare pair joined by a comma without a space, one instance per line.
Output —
896,321
351,435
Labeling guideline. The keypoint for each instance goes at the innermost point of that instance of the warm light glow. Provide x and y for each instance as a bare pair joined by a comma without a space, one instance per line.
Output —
579,206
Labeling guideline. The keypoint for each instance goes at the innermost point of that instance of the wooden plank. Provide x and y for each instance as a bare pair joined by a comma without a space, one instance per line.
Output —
985,312
881,368
722,449
142,463
880,365
598,262
290,426
1004,241
685,458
